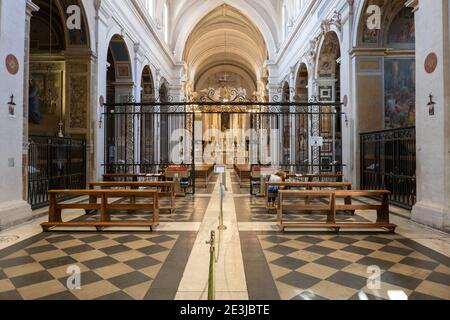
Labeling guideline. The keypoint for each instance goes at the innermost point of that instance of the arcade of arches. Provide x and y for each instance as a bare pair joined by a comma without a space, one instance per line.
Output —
292,99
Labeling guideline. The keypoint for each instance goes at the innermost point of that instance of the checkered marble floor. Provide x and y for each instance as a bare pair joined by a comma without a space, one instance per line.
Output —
326,266
113,266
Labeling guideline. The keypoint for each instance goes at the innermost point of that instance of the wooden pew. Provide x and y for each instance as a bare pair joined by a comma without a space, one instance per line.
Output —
104,208
259,177
243,171
177,173
307,186
204,171
124,176
319,177
166,189
332,206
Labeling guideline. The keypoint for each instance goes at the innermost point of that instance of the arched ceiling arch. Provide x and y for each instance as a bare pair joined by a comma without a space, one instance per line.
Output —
187,14
225,36
62,37
118,51
378,38
330,51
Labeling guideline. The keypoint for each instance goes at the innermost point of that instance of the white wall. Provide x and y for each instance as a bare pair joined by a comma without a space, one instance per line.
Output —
12,30
433,175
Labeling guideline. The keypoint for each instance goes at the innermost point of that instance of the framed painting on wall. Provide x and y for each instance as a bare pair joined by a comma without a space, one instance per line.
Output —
46,92
400,93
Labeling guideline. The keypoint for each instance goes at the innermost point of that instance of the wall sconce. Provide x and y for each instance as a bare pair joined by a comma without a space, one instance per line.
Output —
11,106
431,106
101,102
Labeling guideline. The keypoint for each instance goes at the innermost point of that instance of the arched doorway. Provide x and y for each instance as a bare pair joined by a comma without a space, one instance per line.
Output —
148,120
302,120
58,102
385,96
119,74
120,130
164,143
285,126
329,84
59,72
147,85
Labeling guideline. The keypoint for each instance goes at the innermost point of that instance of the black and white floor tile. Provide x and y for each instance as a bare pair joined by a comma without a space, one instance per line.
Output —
341,267
114,266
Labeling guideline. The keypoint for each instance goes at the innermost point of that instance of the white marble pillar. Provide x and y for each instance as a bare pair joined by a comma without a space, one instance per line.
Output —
293,122
433,131
29,9
99,71
275,134
13,208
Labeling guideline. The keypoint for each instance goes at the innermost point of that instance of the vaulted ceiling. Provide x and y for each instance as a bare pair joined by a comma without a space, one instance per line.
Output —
225,38
186,14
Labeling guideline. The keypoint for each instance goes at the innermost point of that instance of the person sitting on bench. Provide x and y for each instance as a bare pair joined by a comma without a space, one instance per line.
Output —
280,176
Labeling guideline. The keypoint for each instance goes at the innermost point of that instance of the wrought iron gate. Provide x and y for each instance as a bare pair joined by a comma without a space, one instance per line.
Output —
54,163
148,137
388,161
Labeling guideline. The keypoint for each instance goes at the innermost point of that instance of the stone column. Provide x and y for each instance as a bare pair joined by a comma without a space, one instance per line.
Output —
13,208
29,9
157,142
293,122
177,148
138,67
433,131
99,71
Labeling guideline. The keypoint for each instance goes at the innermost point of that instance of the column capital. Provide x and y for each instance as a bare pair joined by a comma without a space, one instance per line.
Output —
31,7
414,4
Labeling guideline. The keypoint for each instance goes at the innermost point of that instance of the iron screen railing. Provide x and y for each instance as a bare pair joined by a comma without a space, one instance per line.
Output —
388,161
54,163
146,137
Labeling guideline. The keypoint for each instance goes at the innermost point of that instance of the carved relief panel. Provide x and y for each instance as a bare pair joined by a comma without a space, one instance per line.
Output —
78,82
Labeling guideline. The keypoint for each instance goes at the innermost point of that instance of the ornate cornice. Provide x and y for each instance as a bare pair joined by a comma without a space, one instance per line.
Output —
412,4
31,7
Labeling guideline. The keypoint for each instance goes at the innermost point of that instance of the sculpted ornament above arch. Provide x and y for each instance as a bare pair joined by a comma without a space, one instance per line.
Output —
334,23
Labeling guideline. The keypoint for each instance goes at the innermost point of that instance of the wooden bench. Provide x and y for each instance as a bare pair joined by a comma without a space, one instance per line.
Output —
319,177
124,176
331,207
204,171
243,172
104,208
178,173
166,189
259,176
307,186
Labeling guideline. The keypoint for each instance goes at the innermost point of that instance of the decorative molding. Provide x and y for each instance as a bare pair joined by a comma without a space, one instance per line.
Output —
335,21
414,4
31,7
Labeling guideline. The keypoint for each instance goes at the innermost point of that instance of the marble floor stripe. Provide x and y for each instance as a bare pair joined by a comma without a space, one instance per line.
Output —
165,285
230,277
